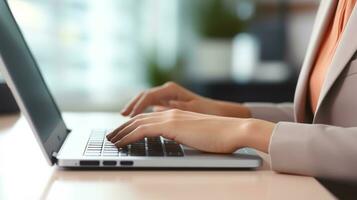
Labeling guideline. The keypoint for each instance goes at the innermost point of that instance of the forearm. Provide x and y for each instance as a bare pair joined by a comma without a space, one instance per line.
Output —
264,111
231,109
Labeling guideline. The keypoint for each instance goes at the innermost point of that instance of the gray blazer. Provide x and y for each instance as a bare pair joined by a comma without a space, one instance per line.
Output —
324,144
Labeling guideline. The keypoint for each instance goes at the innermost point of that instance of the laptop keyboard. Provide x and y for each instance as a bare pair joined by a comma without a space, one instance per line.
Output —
98,145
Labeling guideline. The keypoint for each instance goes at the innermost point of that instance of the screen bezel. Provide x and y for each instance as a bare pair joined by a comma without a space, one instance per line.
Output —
54,142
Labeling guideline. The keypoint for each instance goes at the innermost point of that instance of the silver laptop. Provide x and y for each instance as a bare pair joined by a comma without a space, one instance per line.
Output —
80,148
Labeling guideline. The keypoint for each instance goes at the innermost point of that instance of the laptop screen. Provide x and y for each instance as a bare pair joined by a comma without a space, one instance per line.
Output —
24,78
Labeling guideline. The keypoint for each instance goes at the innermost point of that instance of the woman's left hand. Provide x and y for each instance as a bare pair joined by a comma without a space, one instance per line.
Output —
207,133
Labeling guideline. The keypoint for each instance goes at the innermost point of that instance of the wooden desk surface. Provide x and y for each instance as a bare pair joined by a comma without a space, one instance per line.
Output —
24,174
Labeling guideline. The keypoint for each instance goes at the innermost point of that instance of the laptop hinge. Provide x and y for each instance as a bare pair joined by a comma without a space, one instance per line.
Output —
54,157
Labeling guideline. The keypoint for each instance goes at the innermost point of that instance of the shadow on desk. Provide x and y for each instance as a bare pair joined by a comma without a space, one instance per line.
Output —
342,190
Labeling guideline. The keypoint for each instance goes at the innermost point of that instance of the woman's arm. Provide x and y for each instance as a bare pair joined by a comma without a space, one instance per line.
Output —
305,149
172,95
204,132
314,150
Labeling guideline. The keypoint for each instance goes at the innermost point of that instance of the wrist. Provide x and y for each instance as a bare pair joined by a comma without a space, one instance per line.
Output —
258,133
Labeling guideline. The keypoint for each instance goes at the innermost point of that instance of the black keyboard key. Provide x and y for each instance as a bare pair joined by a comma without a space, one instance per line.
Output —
154,145
169,142
154,140
170,146
137,153
173,148
140,142
137,149
155,148
174,153
155,153
151,147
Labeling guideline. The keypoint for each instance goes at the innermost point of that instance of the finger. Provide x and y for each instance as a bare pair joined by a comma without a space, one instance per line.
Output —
129,128
152,97
127,110
149,130
168,114
143,119
113,133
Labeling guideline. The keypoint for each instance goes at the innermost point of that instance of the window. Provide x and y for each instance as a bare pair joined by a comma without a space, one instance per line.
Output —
90,52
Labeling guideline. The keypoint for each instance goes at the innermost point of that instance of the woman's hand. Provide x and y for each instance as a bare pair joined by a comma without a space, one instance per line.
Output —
171,95
203,132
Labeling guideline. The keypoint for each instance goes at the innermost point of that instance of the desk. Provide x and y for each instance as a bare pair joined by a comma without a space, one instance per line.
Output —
24,174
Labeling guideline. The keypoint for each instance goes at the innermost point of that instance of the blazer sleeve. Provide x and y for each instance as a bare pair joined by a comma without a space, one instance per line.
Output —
314,150
272,112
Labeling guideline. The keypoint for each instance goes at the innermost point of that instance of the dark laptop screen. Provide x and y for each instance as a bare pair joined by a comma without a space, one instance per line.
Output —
27,79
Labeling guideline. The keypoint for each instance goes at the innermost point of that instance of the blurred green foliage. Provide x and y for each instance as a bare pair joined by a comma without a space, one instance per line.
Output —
158,74
215,19
218,19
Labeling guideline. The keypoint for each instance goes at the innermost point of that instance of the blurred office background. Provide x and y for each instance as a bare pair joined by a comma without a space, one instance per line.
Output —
97,54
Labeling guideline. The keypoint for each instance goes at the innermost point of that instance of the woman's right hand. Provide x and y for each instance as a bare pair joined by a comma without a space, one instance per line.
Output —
173,96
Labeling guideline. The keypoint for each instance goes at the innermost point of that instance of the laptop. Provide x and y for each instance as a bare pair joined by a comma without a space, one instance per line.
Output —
75,147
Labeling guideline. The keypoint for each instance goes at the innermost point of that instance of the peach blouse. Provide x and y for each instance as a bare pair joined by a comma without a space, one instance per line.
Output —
328,48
